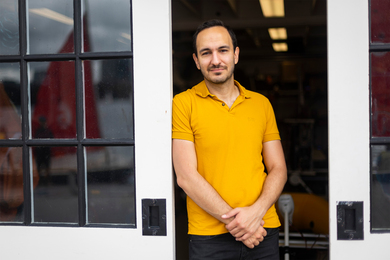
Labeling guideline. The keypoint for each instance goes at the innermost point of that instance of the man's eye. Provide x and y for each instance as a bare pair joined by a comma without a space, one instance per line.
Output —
205,53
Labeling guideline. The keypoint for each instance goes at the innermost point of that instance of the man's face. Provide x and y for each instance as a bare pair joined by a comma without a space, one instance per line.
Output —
216,57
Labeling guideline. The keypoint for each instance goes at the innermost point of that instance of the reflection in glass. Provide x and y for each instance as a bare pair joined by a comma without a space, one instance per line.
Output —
11,184
53,99
380,94
9,27
10,115
380,187
110,115
110,185
50,26
380,21
55,197
108,26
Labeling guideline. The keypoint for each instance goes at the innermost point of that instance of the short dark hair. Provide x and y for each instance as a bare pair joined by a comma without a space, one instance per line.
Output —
209,24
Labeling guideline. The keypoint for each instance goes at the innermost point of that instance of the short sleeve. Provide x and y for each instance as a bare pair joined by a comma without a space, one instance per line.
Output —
181,118
271,132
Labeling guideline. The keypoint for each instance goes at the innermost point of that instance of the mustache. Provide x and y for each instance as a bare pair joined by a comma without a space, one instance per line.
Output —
217,67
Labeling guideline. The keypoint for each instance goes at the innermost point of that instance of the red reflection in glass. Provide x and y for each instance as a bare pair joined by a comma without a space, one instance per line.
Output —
380,21
55,108
380,94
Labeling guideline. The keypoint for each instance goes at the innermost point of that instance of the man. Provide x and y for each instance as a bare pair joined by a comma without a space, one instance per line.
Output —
221,135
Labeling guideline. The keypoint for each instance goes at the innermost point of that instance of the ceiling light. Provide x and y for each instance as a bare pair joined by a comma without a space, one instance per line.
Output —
278,33
52,15
272,8
279,47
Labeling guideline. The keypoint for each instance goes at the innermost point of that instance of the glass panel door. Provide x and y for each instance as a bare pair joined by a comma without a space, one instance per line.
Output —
85,132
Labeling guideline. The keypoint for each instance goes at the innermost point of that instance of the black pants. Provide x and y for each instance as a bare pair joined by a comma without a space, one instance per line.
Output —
225,247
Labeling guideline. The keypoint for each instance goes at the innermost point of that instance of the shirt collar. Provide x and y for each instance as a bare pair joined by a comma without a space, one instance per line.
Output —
202,90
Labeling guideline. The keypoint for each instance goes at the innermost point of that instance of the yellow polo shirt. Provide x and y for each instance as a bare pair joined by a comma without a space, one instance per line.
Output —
228,143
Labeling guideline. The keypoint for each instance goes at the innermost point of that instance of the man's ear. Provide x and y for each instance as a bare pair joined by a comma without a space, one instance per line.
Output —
196,60
236,55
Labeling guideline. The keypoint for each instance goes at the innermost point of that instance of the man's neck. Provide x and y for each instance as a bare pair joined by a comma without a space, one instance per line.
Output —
227,91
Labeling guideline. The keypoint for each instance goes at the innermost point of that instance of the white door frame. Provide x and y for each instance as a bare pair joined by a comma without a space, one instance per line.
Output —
153,168
152,44
349,125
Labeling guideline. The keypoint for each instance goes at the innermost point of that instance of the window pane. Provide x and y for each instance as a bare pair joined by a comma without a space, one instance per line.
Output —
11,184
107,27
9,27
380,187
50,26
380,21
109,103
110,185
53,99
380,91
10,115
55,196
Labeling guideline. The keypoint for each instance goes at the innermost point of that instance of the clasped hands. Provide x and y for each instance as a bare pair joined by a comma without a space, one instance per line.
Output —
246,226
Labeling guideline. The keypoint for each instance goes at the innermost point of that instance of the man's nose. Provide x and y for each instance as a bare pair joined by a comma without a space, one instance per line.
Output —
215,59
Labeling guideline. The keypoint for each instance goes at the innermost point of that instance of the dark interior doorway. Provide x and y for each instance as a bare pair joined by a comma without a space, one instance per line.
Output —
295,81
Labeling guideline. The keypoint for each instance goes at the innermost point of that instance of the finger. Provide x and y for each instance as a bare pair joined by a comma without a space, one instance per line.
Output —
230,214
239,234
262,223
261,231
233,228
244,237
248,243
259,236
235,225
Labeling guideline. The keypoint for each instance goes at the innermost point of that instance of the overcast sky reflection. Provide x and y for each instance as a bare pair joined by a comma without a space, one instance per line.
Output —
108,27
107,22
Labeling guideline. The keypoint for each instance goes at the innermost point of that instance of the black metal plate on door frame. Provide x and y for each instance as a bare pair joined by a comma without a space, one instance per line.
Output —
154,221
350,220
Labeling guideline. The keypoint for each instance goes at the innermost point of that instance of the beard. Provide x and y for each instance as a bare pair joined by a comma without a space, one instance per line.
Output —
216,78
